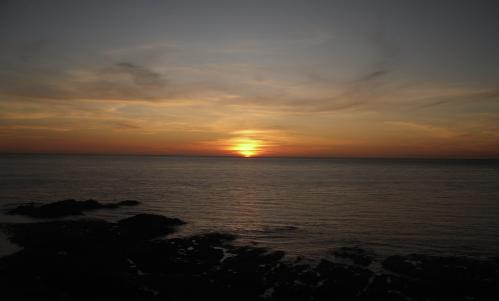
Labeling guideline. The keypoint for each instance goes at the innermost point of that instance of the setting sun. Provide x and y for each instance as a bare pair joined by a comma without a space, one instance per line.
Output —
247,147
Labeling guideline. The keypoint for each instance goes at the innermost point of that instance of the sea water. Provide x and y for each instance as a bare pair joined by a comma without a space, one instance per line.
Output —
300,205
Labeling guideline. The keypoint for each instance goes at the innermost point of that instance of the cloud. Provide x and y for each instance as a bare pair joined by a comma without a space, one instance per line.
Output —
33,128
124,125
426,129
230,85
141,75
460,95
121,81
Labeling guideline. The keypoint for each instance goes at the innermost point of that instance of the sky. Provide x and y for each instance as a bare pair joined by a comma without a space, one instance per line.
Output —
251,78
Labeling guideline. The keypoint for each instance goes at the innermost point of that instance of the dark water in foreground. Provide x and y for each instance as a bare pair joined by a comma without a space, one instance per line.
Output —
301,206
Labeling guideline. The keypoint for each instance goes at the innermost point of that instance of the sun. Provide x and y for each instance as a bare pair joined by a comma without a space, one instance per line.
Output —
247,147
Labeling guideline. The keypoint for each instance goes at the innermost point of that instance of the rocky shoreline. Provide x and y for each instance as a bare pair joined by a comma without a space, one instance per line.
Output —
65,208
134,259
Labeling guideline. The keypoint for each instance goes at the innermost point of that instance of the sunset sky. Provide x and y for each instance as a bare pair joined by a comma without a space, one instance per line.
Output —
257,78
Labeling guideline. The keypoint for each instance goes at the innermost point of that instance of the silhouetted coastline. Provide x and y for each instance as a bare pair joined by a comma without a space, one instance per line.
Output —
65,208
93,259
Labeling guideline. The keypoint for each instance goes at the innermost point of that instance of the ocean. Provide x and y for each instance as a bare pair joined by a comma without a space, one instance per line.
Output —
306,207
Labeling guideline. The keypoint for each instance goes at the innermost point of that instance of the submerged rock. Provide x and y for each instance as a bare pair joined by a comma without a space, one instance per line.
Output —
65,208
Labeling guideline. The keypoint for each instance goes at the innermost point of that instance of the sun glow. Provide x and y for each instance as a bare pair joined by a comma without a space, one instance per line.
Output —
247,147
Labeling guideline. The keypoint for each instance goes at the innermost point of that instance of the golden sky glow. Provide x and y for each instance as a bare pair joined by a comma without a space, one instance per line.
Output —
247,147
332,80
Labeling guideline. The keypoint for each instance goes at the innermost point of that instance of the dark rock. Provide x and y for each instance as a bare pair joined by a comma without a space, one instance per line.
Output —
147,226
128,203
64,208
193,254
62,234
97,260
341,281
388,287
402,265
357,255
448,276
68,260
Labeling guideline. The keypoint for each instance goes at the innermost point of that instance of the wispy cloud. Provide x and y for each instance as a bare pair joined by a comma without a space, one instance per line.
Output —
141,75
426,129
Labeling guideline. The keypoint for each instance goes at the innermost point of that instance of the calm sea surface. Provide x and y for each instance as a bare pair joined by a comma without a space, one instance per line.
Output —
302,206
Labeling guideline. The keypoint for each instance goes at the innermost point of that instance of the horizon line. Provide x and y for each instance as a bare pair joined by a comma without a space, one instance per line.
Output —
416,157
